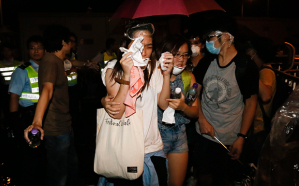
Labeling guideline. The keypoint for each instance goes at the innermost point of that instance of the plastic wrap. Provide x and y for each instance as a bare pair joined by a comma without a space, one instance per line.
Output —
279,157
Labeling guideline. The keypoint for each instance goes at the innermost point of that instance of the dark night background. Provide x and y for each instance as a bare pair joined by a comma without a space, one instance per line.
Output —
252,8
89,95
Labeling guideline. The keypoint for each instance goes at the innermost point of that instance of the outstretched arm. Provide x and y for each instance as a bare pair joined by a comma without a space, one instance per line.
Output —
41,107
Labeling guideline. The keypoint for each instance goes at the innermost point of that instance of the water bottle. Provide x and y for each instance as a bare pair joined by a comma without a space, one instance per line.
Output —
34,136
191,95
177,93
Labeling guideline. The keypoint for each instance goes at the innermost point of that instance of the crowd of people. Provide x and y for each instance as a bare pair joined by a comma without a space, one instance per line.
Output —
208,144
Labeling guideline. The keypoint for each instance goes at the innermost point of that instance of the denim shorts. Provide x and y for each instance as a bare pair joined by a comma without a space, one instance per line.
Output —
174,138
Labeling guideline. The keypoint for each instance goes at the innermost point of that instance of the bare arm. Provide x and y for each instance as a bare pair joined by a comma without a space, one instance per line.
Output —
247,118
248,113
92,65
265,92
41,107
179,104
119,91
14,102
204,126
165,93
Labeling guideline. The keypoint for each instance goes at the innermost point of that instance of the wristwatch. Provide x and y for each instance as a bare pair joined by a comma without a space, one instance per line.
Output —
242,135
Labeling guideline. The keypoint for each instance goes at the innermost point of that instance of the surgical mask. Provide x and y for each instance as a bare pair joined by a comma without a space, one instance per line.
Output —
177,70
210,45
195,50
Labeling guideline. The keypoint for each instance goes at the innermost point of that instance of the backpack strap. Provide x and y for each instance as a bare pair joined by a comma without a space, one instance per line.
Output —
241,61
186,77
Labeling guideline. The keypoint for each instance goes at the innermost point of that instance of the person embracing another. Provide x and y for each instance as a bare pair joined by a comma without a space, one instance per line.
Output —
116,77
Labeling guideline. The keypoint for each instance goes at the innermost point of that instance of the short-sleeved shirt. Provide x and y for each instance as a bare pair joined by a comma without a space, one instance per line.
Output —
20,83
57,119
147,102
222,102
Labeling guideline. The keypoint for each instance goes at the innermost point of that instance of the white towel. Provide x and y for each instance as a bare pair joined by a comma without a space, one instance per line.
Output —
136,48
168,115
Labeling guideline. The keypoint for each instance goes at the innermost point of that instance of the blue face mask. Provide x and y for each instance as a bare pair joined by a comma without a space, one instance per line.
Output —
211,47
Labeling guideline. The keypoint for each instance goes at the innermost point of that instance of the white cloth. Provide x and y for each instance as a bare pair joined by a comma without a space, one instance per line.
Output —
136,48
147,102
168,115
161,61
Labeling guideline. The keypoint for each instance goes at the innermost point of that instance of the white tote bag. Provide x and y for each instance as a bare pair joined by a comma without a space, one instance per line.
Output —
119,146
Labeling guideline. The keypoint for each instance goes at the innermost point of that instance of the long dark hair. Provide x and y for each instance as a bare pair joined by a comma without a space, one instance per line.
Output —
172,44
148,72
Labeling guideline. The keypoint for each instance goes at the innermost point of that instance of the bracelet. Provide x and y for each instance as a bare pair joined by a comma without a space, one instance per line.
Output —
121,81
242,135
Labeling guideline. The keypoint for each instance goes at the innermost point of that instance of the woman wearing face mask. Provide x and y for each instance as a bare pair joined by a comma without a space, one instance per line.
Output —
197,47
174,135
116,76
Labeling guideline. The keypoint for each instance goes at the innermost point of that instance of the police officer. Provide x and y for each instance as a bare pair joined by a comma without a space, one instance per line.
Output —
23,87
24,95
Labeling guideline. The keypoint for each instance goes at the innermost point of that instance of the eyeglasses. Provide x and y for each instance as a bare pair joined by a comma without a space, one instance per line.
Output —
185,56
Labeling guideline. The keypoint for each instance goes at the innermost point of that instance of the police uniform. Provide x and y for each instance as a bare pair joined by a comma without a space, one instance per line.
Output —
24,82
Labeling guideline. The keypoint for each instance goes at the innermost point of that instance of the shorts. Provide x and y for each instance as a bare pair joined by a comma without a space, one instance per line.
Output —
174,138
213,159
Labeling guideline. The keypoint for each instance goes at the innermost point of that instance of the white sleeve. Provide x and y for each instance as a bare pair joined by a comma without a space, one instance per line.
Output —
157,79
111,65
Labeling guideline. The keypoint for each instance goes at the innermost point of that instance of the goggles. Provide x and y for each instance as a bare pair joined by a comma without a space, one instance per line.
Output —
140,27
218,33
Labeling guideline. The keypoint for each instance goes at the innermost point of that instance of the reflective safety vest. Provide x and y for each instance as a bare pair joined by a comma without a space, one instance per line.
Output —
72,78
108,58
34,94
6,71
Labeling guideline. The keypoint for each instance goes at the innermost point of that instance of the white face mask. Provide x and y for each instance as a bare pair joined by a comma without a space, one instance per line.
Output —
177,70
195,50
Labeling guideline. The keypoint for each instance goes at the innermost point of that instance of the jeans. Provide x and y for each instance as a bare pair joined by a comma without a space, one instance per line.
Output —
62,162
174,138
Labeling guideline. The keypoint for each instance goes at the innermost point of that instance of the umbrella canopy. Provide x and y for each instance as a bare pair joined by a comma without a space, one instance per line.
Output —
144,8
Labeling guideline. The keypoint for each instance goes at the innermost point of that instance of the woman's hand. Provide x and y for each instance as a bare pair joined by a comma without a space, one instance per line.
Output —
111,107
127,64
168,63
178,104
